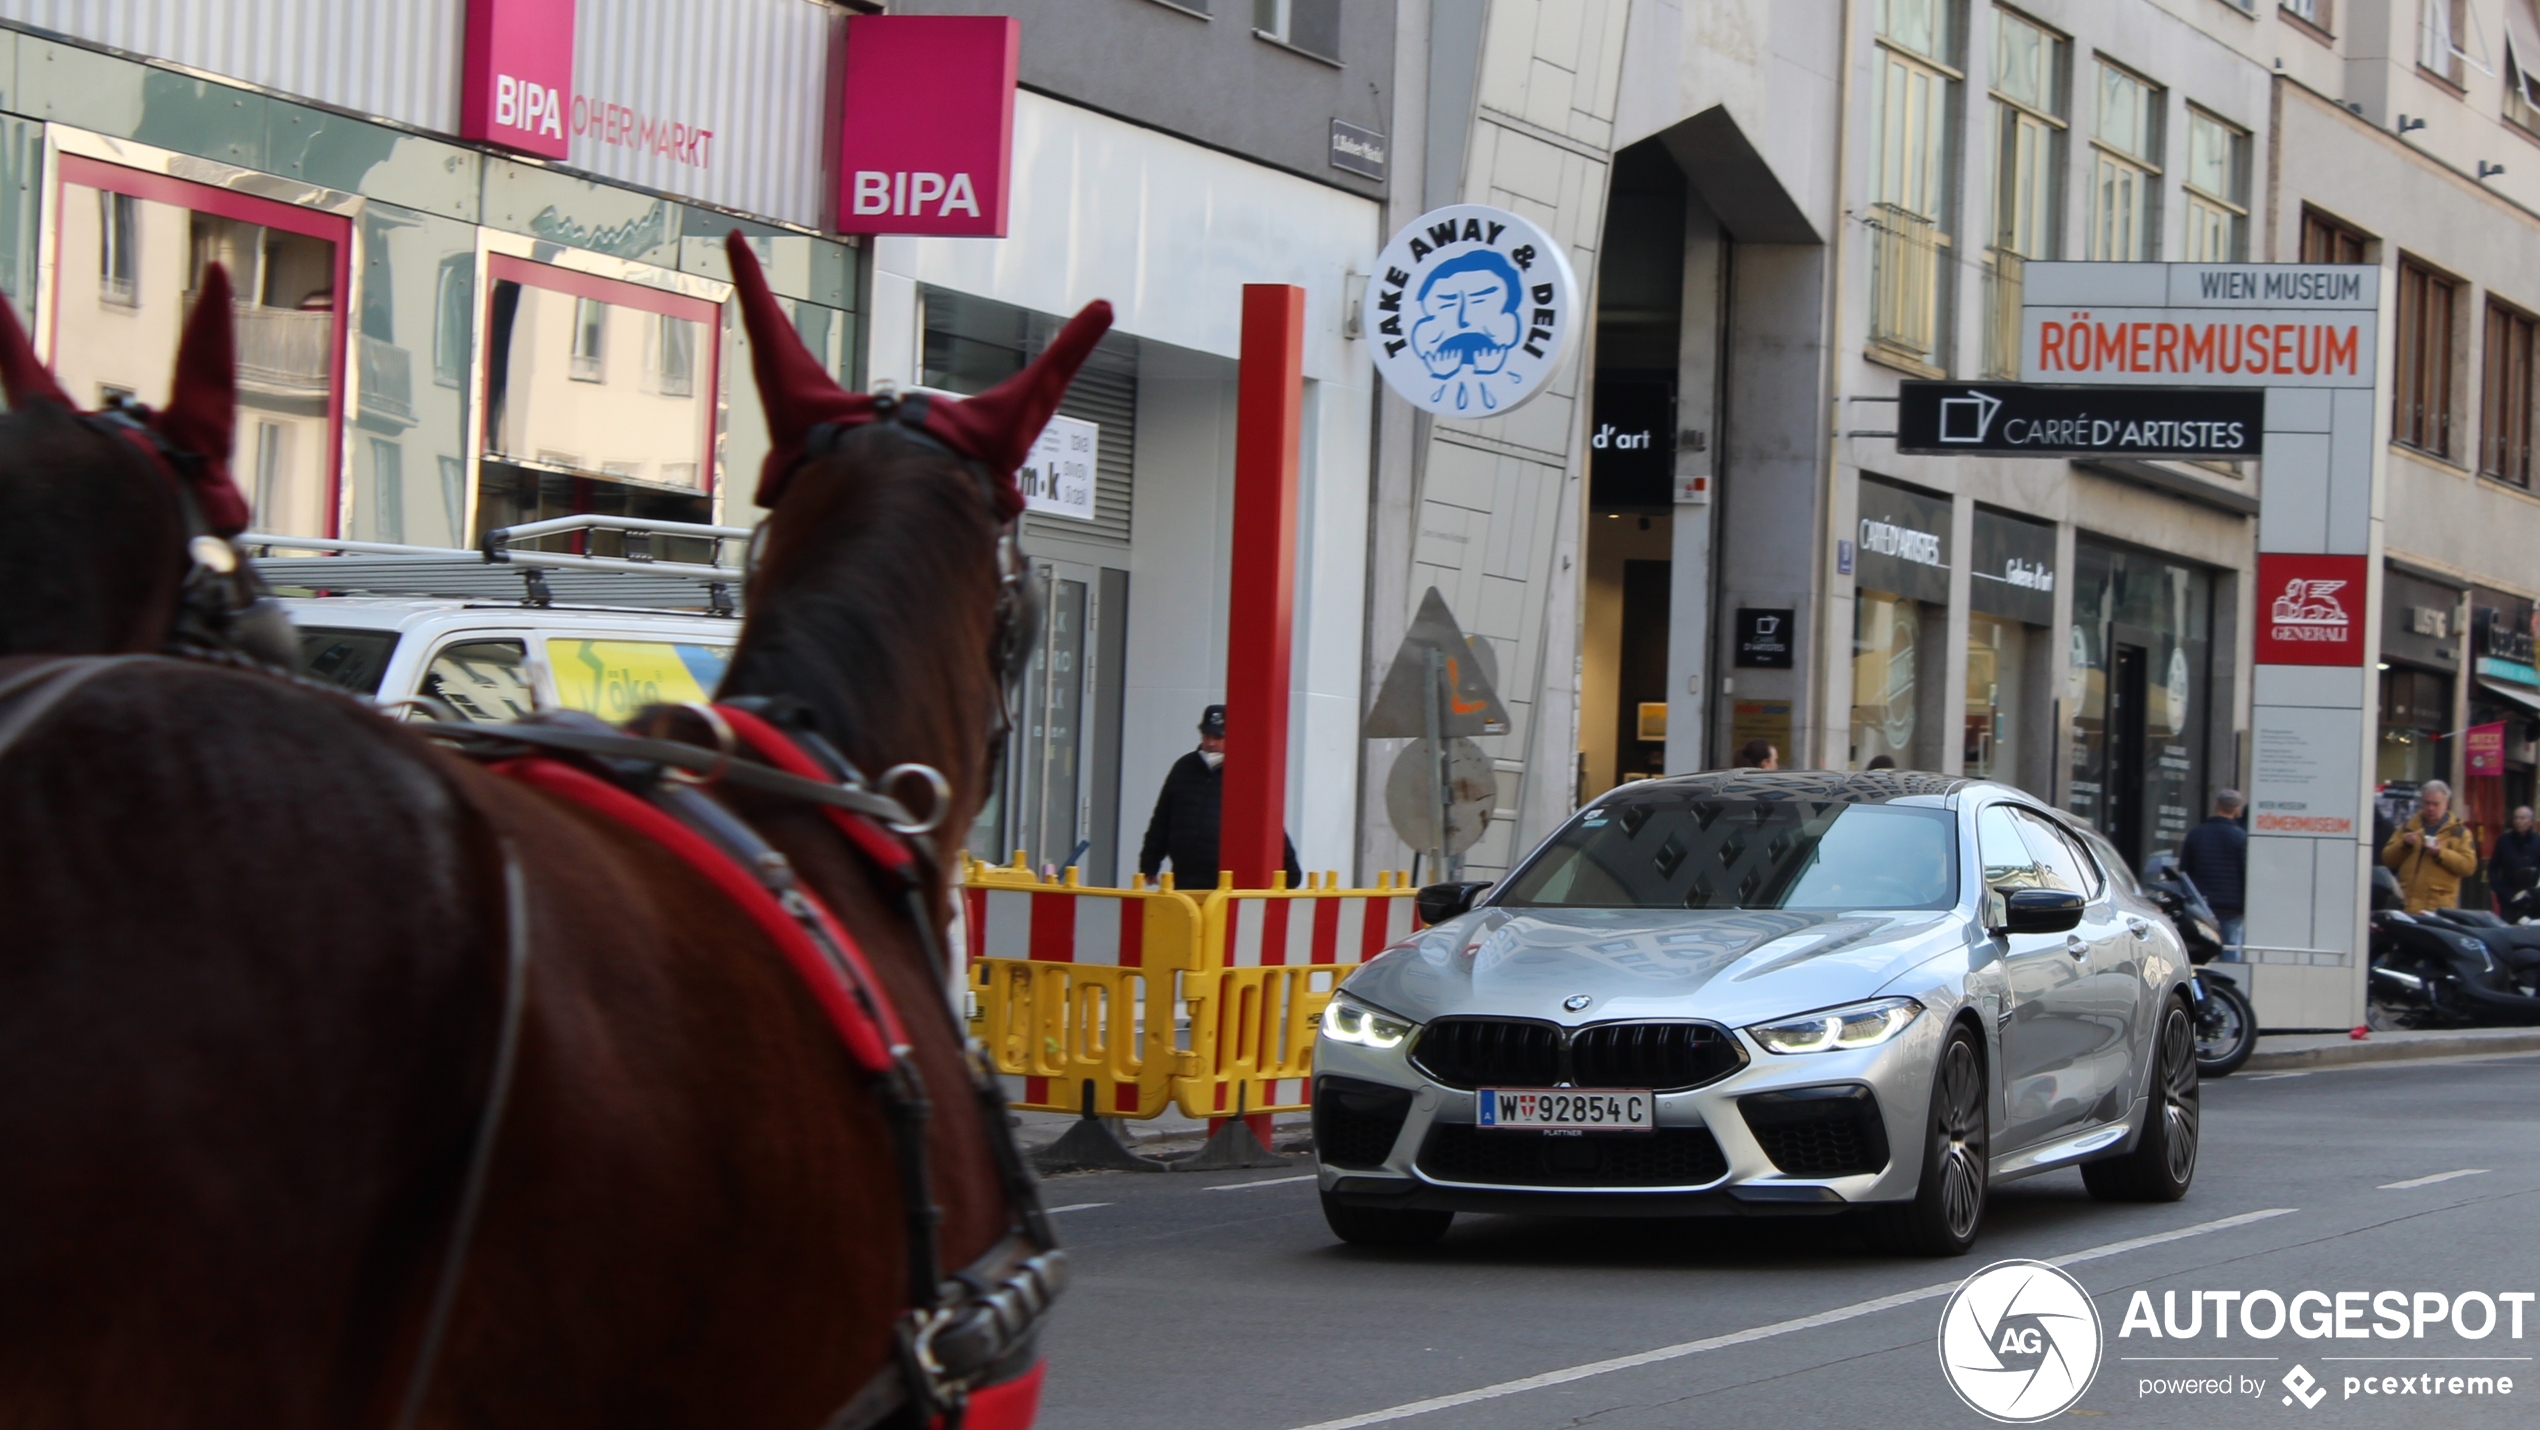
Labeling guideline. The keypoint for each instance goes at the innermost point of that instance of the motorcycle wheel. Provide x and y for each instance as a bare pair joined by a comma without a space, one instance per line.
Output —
2384,1016
2226,1030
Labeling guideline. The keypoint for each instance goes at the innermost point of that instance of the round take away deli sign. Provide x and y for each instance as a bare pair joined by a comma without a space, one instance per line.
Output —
1473,310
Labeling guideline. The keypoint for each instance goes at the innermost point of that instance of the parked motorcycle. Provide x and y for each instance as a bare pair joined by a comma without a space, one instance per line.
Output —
2226,1024
2449,968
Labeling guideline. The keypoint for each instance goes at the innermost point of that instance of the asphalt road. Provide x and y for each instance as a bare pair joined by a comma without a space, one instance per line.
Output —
1222,1300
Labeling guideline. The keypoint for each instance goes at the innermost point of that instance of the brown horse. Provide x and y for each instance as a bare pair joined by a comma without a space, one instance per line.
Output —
258,974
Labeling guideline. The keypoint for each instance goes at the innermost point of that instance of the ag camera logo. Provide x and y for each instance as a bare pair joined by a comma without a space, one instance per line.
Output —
2020,1342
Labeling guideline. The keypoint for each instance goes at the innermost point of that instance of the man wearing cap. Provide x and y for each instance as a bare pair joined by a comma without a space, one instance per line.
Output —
1184,829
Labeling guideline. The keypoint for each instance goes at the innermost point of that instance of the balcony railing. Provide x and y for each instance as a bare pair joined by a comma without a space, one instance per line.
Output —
1904,282
388,381
2003,270
284,351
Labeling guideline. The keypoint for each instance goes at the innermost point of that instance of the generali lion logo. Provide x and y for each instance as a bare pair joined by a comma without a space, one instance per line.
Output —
2310,611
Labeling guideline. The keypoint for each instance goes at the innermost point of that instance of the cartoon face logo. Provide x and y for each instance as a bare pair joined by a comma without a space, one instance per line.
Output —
1468,316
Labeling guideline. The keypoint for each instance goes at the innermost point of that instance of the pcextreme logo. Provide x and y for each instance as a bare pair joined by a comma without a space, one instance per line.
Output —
2020,1342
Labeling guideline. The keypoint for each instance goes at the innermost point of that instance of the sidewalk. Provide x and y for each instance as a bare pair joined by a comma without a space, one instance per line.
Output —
2337,1050
1167,1135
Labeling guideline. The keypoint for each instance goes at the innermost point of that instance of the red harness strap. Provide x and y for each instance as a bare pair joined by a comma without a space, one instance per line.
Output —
867,1042
775,748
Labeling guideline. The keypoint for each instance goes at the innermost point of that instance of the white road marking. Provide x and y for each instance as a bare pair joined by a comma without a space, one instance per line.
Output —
1248,1186
2430,1181
1854,1311
2279,1076
1075,1207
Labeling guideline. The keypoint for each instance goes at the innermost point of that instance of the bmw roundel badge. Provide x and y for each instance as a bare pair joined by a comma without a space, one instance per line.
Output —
1576,1001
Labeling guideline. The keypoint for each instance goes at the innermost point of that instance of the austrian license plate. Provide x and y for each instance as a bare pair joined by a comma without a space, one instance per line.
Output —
1566,1109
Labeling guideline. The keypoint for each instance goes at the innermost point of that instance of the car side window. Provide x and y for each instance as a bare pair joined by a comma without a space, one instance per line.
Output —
482,680
2008,863
2060,863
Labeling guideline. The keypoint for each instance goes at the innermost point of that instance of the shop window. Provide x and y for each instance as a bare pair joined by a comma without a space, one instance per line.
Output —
2125,171
2416,710
1886,679
2139,696
596,401
2421,400
2504,409
2325,240
154,236
1913,121
1997,697
2029,67
2217,185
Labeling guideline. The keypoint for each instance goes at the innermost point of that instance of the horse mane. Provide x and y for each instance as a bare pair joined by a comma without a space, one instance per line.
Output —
842,597
92,539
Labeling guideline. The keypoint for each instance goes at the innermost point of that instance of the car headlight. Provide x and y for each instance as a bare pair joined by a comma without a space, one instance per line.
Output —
1346,1020
1857,1025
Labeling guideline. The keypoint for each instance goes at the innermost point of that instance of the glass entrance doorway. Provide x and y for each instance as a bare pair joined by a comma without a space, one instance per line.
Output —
1056,795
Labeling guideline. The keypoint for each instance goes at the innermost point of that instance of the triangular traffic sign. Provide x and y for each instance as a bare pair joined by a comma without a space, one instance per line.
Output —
1470,706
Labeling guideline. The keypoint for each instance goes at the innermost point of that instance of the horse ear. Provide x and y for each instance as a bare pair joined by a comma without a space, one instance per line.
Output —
22,374
1000,425
201,416
794,390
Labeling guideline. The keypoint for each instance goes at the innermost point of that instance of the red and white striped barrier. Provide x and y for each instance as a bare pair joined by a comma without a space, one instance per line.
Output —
1276,931
1056,924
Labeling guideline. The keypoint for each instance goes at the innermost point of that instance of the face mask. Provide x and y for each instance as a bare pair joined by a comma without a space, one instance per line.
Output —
1215,758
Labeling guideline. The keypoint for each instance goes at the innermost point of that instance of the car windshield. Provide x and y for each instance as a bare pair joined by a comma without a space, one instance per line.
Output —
1697,852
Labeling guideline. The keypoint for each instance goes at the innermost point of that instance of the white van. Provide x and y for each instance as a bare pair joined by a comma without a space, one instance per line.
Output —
494,635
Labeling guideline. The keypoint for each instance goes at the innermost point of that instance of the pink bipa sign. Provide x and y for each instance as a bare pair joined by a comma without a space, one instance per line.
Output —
926,129
516,82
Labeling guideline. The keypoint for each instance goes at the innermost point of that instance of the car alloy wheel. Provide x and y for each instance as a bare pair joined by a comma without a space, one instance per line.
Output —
2162,1162
1962,1133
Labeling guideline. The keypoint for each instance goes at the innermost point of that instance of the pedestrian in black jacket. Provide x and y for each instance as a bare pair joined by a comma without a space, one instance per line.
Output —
2513,871
2215,856
1184,827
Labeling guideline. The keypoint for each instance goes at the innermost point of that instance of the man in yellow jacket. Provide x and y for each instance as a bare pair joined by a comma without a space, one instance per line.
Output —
2431,851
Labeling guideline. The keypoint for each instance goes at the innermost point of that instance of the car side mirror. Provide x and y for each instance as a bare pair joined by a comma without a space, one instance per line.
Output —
2032,910
1439,902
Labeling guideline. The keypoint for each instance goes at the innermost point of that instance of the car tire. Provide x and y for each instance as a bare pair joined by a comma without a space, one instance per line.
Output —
1398,1228
2163,1163
1948,1205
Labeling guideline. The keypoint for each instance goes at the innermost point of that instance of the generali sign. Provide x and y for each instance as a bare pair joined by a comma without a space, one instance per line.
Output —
516,79
926,132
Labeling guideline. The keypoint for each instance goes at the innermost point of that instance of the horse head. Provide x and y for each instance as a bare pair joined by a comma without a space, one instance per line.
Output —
115,525
887,592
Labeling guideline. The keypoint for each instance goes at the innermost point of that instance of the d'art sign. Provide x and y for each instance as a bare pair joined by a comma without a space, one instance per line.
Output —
1471,311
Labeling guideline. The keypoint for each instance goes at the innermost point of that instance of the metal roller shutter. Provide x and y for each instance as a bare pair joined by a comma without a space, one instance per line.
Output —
1104,393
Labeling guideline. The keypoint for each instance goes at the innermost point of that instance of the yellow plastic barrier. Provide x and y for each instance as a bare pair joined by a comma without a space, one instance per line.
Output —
1268,963
1077,987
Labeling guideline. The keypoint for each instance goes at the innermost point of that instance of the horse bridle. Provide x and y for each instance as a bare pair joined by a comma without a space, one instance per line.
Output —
224,611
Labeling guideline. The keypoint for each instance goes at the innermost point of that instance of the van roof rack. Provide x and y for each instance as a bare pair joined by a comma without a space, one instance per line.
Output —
506,567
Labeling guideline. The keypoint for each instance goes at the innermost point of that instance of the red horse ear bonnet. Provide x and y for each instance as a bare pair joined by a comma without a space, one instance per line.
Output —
191,437
995,429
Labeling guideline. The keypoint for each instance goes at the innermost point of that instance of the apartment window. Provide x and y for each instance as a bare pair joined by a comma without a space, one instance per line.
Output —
2217,184
118,248
1313,26
2522,88
2325,240
2504,410
2030,107
1913,105
2421,406
2125,169
675,355
2315,13
2440,24
590,341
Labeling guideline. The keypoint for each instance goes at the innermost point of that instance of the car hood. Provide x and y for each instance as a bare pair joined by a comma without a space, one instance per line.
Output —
1734,966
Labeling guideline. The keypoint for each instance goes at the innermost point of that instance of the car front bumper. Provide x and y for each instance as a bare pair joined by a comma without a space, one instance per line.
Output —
1438,1160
